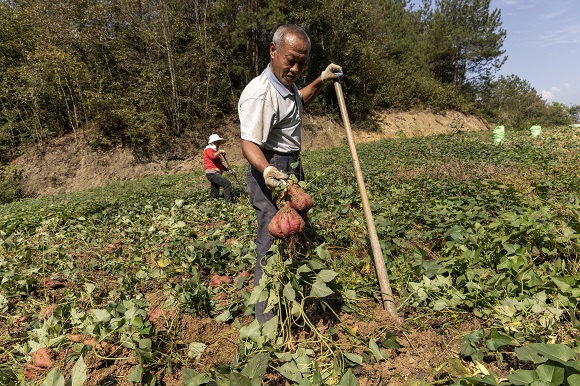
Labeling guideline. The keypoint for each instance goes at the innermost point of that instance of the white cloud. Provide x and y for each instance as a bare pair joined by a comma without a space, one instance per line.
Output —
552,93
565,35
549,95
517,4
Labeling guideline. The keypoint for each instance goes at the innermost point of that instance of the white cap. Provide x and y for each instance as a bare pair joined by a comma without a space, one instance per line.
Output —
214,137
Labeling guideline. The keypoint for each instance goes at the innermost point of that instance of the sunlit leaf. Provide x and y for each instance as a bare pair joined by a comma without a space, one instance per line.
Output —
136,375
348,379
54,378
193,378
320,290
195,349
79,372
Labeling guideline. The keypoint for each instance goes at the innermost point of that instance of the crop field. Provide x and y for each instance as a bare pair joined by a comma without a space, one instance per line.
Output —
150,282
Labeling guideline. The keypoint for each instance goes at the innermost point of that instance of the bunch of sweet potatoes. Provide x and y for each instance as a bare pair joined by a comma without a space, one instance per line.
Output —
293,205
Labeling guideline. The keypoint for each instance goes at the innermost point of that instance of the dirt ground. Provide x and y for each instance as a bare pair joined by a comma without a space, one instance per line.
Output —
69,165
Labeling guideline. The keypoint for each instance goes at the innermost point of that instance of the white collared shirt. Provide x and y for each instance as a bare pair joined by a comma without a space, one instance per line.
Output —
270,114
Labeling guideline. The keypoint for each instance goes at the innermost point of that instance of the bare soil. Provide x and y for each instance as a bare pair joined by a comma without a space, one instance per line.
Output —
67,164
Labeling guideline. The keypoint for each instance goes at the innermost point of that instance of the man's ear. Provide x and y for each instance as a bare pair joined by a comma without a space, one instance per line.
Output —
272,50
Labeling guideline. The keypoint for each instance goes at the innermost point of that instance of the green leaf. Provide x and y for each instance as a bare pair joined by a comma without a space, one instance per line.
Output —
529,354
239,379
284,356
482,380
193,378
54,378
100,315
378,353
523,377
498,339
270,327
290,370
251,331
303,362
289,292
79,372
320,290
557,352
144,352
551,374
259,294
322,252
573,379
136,375
354,358
348,379
257,366
391,341
224,316
195,350
564,284
326,275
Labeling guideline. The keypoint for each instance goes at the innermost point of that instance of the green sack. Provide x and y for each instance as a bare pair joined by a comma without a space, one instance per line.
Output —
535,130
498,135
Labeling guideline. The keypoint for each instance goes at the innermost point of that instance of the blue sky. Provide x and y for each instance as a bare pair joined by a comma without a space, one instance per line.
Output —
543,45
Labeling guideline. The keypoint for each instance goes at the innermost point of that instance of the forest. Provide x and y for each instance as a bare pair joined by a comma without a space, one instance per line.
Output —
142,73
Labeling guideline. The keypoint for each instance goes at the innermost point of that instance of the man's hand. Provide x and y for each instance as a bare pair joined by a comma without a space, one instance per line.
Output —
274,177
220,152
333,71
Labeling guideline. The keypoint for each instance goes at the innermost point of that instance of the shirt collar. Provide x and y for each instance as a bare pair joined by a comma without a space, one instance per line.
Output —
282,90
211,146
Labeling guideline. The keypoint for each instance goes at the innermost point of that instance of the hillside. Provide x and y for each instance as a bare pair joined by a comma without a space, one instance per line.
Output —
69,165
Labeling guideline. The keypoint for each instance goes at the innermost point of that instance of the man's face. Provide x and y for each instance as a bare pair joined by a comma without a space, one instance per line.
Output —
289,62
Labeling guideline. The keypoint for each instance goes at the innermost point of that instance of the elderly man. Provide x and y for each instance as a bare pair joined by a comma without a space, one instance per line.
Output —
270,110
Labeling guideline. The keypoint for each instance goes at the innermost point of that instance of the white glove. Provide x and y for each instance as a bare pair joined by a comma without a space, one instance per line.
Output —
274,177
333,71
220,152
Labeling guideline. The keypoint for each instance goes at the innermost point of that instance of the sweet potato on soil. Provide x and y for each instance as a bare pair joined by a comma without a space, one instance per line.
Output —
287,222
217,280
42,358
244,275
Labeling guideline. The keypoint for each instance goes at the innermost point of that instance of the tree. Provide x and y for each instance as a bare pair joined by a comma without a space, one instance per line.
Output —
575,113
512,101
465,41
558,114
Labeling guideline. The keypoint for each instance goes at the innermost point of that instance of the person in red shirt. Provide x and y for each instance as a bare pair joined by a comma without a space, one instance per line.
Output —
212,161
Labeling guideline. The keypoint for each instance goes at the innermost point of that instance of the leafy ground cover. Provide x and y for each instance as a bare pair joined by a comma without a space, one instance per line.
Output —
147,281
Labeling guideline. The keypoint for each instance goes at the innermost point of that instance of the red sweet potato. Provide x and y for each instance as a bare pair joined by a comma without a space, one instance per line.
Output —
217,280
42,358
300,200
287,222
244,275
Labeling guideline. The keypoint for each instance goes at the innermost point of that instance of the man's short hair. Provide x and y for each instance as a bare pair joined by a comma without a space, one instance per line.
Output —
289,29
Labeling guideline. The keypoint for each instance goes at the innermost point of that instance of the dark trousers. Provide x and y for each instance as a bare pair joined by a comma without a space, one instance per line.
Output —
265,207
217,181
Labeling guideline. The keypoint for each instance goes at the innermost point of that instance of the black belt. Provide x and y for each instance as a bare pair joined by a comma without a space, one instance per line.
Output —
294,154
